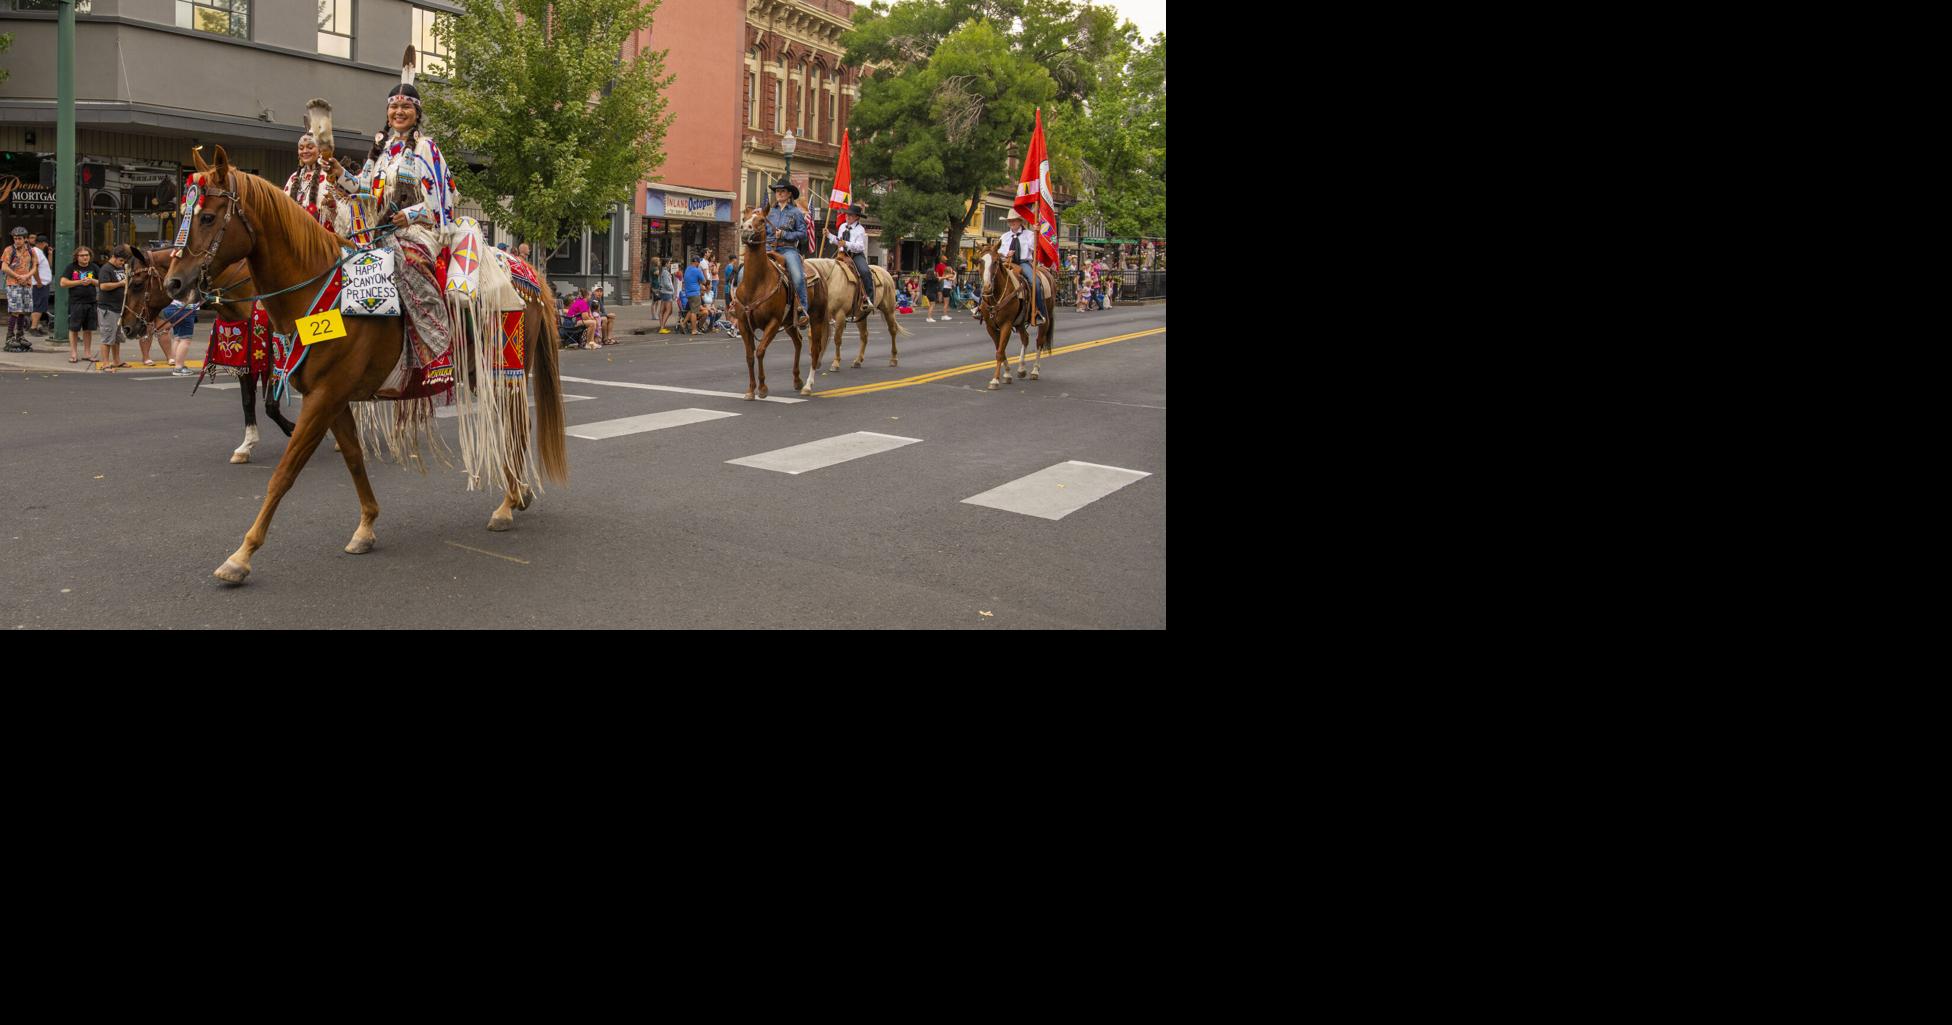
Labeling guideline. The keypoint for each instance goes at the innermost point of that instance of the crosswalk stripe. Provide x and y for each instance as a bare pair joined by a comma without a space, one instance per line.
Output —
675,388
1057,491
649,422
450,412
813,455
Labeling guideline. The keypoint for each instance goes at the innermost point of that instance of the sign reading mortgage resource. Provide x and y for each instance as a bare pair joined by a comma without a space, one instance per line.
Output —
658,203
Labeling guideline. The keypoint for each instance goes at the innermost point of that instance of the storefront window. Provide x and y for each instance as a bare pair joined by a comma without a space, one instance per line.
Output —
569,258
599,252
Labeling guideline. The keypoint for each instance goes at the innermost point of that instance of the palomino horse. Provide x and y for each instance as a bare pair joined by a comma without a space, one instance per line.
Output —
145,303
287,251
840,304
763,296
1005,294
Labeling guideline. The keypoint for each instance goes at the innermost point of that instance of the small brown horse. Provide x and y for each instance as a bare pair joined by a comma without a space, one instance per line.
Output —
1005,294
842,294
145,303
763,296
243,217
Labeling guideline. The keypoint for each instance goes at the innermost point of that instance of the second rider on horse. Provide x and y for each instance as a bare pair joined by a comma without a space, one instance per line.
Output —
853,240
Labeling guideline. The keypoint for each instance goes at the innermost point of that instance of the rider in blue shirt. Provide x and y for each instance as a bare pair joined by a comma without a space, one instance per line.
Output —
787,225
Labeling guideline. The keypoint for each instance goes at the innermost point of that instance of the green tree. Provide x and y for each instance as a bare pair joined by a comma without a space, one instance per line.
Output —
539,92
954,82
5,41
1117,141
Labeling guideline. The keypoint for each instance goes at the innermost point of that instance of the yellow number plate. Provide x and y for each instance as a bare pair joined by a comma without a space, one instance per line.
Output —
322,328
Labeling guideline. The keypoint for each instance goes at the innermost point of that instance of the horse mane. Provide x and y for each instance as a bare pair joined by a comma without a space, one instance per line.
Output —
290,220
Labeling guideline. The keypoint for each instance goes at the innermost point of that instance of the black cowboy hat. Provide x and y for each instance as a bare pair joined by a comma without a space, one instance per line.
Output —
856,210
788,186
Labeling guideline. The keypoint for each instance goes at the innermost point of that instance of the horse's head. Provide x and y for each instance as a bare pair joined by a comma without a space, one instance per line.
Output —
991,267
145,296
212,244
752,226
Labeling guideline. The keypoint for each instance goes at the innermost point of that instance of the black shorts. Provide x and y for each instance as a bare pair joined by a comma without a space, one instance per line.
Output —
82,317
931,290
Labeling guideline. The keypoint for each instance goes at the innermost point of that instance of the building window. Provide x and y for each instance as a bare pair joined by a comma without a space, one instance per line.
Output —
222,17
803,98
833,112
335,28
432,52
81,6
779,107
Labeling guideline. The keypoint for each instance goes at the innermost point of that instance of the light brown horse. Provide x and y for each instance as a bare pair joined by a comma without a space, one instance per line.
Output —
842,294
1005,294
145,301
243,217
763,296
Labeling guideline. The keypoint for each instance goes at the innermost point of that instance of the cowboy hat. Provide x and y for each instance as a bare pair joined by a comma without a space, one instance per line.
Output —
788,186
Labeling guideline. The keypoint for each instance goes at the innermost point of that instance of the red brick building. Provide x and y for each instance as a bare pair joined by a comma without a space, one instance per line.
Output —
746,73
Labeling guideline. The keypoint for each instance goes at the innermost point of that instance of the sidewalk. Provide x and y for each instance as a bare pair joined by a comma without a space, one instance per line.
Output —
48,358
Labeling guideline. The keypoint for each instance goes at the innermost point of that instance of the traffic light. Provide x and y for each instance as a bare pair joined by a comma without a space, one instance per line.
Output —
48,170
93,175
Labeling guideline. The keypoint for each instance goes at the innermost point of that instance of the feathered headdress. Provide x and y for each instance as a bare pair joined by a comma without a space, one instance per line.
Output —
405,88
318,115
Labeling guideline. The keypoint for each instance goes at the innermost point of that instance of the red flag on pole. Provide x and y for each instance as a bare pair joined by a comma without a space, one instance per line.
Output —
1033,196
843,193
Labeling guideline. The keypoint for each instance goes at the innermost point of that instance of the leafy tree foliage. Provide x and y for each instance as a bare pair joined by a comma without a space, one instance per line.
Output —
955,82
538,91
1118,142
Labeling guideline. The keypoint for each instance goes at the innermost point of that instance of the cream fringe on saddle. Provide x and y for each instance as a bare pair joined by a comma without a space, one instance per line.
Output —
492,404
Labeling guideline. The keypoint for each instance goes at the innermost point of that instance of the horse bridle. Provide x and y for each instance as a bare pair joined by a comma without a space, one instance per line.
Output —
235,207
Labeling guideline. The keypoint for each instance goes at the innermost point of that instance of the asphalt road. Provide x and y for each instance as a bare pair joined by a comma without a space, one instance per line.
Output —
120,501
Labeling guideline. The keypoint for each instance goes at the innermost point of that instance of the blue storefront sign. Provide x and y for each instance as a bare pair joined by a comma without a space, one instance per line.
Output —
658,203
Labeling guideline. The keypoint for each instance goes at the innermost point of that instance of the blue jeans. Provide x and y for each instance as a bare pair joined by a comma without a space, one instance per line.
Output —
1029,271
795,272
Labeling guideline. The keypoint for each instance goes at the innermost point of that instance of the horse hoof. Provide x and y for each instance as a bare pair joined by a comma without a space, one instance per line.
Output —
894,363
528,498
360,546
231,573
1022,373
763,393
808,390
240,457
1033,375
748,396
994,385
500,523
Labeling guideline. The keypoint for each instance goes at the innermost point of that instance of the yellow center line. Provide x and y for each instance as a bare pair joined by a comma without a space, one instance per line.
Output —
990,365
497,555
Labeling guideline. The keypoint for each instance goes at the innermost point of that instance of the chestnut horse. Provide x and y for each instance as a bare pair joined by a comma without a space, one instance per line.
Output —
841,297
243,217
763,296
1005,294
145,303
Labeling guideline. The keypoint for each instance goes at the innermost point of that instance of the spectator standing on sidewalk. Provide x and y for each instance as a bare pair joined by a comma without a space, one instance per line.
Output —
43,279
21,271
81,279
113,280
667,292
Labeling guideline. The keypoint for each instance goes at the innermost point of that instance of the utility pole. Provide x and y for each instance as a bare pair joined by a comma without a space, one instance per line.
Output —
64,163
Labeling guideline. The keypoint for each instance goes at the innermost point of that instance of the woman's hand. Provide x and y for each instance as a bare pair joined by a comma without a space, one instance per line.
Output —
400,220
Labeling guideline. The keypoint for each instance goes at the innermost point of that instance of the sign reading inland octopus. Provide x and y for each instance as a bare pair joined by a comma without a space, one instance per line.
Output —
369,290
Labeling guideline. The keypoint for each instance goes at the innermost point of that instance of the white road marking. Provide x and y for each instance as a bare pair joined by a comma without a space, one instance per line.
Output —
450,412
682,391
1057,491
826,452
649,422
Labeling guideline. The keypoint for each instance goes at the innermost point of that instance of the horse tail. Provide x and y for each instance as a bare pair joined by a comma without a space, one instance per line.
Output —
551,441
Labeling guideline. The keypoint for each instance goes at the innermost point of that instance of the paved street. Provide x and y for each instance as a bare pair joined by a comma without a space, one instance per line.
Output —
922,504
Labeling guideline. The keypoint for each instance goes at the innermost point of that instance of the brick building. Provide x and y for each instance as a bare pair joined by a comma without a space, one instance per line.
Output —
746,73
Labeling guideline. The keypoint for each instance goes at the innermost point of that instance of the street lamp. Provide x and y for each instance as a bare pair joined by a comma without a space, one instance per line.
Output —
786,146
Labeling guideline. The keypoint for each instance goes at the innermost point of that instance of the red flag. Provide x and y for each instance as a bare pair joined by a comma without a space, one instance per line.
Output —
1034,196
843,193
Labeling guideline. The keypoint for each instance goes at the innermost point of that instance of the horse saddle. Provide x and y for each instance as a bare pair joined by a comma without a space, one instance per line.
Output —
816,288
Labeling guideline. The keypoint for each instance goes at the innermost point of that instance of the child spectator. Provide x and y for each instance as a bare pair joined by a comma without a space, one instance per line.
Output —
114,280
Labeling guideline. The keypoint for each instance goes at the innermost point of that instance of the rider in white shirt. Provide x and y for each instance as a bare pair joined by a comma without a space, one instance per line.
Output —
853,239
